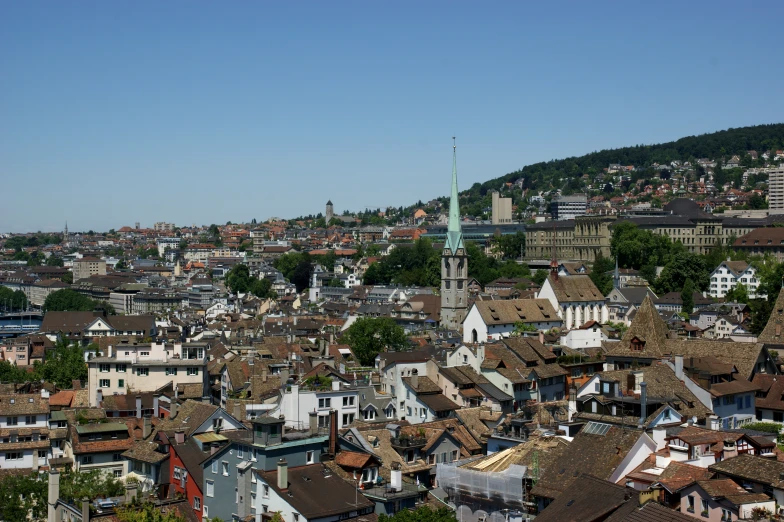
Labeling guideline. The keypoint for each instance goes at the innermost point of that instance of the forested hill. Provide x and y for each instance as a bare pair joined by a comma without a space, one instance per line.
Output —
549,174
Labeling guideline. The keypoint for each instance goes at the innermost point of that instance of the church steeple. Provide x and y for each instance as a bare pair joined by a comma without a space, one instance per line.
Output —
454,235
454,262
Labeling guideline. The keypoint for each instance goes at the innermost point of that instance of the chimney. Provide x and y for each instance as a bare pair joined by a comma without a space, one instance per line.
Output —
336,385
110,351
396,477
173,408
238,410
284,376
638,377
138,406
214,448
85,509
147,427
264,376
54,493
156,405
415,379
283,474
179,436
679,366
131,489
333,432
98,397
76,384
643,402
541,336
313,421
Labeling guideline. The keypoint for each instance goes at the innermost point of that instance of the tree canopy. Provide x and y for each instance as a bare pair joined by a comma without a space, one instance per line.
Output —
420,514
67,300
369,336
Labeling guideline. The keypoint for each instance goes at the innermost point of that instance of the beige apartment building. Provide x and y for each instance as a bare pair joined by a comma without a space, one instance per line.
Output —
88,266
145,367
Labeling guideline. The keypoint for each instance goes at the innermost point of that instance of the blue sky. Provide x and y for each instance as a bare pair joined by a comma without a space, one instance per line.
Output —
207,112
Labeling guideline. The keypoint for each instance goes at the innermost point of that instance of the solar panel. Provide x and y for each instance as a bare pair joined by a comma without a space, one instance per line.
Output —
596,428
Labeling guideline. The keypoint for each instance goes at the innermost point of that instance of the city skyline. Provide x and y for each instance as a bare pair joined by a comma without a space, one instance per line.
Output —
213,113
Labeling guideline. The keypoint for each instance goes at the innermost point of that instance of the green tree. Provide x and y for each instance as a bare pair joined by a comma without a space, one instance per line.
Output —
520,328
64,364
369,336
54,260
687,297
510,246
420,514
739,294
539,276
238,279
601,274
11,300
684,265
67,300
263,288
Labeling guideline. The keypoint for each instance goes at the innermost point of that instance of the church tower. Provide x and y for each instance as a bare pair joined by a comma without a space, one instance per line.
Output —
454,262
330,212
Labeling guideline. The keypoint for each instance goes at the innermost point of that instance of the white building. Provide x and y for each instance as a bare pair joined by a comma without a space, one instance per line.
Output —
576,300
165,243
729,274
24,421
298,401
493,320
569,207
145,367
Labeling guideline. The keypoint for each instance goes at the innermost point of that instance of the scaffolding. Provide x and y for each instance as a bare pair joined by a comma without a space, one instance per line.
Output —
484,490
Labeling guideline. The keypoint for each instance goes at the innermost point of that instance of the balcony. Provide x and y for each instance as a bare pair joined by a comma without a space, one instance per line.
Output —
408,442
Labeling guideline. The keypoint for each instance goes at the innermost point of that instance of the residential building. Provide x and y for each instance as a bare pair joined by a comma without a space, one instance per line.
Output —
722,500
755,473
145,367
162,226
24,431
99,445
493,320
298,401
776,190
308,494
730,274
88,266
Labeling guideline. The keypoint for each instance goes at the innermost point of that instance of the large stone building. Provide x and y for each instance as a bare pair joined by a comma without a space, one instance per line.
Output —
454,263
583,237
87,266
502,209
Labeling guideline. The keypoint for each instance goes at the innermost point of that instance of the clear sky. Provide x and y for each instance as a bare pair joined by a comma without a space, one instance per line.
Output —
208,112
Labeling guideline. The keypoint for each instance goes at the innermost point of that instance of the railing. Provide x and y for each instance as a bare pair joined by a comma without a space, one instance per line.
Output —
386,491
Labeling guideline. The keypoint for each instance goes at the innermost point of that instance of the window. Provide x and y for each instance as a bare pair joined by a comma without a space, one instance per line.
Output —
103,368
121,368
704,503
88,459
42,454
171,371
192,371
210,488
225,468
325,402
144,354
690,503
240,452
217,423
116,457
214,466
348,401
104,383
369,414
13,421
176,473
265,492
13,455
142,372
196,503
29,419
117,473
309,457
348,418
296,517
121,383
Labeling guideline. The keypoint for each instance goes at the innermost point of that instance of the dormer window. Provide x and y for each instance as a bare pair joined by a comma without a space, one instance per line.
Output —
637,344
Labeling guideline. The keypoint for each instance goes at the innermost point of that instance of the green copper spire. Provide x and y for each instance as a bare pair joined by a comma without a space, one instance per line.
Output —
454,236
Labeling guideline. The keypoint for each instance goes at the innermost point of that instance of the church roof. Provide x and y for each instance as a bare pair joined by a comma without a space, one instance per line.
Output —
648,327
773,329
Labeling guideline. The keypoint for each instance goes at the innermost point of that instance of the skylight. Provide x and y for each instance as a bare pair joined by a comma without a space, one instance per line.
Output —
596,428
